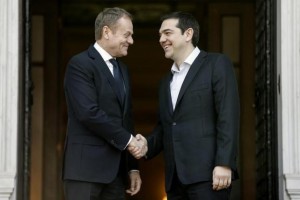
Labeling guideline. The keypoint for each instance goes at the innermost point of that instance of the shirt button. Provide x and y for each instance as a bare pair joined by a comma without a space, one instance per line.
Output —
174,123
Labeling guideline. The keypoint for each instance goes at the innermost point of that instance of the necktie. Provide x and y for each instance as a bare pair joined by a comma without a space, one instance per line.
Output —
118,78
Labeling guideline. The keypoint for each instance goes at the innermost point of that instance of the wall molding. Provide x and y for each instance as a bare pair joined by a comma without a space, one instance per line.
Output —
7,185
292,185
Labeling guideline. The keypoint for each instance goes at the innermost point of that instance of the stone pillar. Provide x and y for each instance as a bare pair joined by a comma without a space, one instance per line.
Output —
9,81
288,61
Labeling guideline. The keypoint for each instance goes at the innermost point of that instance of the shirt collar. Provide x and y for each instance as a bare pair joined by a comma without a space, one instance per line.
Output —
104,54
188,61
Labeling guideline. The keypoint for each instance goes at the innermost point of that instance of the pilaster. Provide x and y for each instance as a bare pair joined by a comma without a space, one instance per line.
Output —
288,50
9,64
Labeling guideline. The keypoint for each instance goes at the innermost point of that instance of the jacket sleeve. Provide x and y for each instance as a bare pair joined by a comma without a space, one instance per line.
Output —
226,100
155,142
81,94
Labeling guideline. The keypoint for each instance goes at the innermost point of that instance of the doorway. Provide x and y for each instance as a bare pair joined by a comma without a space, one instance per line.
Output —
68,29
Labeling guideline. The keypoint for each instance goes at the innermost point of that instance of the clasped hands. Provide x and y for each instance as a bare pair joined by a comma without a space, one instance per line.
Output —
138,146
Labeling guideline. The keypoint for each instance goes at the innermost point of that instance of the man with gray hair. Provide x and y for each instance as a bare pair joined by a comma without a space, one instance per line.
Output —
100,127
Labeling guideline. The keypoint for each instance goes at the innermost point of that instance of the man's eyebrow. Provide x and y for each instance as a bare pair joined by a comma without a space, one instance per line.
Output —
128,33
165,30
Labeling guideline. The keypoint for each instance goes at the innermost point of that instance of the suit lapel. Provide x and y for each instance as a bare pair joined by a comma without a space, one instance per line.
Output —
100,64
190,75
166,93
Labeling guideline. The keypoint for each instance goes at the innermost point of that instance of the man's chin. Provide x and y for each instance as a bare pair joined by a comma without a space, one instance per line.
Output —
167,55
123,54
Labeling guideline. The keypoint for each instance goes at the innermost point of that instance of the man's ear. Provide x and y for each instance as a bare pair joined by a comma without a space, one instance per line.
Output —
189,34
105,32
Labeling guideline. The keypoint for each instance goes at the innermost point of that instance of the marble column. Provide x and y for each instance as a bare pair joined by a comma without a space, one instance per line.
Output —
288,61
9,81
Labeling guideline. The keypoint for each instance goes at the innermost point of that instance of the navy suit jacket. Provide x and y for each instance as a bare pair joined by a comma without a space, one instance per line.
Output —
202,131
99,126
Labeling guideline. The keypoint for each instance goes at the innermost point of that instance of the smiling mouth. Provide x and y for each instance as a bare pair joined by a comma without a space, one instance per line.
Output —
165,47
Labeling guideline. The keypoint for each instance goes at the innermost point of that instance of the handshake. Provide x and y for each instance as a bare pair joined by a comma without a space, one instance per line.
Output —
138,146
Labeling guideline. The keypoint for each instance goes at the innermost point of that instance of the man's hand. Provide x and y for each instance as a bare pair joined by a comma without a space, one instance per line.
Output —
135,183
138,146
221,177
144,144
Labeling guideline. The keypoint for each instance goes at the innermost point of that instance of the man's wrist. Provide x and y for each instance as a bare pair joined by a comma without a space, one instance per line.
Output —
130,139
134,170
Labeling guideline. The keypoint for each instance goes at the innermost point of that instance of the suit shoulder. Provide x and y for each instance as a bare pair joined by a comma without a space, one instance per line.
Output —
80,57
81,60
214,55
218,59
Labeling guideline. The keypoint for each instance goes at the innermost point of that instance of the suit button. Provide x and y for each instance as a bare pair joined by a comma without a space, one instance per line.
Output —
174,123
113,142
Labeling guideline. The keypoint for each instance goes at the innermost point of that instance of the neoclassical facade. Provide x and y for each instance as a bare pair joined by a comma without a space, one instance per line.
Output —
288,97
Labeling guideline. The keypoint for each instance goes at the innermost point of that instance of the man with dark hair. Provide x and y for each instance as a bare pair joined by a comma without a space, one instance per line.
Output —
100,126
198,123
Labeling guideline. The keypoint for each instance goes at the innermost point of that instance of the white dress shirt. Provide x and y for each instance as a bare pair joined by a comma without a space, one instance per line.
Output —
180,74
106,57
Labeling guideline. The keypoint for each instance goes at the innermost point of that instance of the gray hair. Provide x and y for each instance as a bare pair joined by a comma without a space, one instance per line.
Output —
109,17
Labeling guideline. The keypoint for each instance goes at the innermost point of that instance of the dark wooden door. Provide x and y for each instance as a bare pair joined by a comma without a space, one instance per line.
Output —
231,30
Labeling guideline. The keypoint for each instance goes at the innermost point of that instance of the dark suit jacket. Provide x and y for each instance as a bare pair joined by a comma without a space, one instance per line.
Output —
202,131
99,126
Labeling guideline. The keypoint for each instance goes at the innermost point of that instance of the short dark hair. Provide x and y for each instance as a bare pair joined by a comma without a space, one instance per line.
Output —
109,17
185,21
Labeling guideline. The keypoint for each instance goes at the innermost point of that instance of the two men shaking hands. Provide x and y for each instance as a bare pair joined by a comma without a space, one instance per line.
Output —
138,146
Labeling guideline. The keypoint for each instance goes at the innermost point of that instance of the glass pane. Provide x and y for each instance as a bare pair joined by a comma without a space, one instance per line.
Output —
37,38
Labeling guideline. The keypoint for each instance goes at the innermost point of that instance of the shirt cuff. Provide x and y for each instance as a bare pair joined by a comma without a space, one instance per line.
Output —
128,142
134,170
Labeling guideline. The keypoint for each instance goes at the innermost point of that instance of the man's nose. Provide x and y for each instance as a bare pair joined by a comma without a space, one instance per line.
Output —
130,40
162,38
